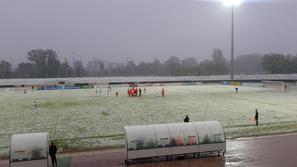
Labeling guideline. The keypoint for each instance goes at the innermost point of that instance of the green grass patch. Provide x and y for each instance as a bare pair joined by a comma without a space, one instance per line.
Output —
64,162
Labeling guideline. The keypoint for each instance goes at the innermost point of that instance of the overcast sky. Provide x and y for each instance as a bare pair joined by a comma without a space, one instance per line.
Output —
141,30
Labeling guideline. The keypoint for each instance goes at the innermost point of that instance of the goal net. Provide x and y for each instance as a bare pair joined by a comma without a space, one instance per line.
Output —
276,85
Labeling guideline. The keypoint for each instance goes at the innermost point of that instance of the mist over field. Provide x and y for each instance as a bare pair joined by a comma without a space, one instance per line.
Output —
143,30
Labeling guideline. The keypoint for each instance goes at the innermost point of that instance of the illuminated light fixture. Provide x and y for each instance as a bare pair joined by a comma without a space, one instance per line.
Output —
232,2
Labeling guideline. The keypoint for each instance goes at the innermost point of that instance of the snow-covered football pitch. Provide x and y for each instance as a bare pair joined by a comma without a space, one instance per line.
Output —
83,119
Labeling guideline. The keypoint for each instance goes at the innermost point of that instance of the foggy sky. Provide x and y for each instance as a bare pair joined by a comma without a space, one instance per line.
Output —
141,30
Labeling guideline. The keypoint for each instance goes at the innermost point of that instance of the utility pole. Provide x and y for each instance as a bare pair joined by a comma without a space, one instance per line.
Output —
232,42
232,3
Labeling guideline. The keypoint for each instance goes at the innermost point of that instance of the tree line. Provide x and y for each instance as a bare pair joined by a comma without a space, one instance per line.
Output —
45,63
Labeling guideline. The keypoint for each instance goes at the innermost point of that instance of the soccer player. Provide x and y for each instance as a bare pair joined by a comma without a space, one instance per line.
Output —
139,91
187,119
34,105
256,117
163,92
156,95
52,153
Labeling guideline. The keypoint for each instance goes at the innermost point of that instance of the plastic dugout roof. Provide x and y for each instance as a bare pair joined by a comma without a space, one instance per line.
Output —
144,133
29,146
139,129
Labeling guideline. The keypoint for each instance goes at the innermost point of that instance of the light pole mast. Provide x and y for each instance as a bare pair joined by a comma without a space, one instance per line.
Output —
232,4
232,42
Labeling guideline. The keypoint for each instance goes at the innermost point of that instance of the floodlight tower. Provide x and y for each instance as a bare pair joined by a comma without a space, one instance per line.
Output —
232,3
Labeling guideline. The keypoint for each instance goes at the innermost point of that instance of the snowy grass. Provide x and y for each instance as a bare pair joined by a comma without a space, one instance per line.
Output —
82,119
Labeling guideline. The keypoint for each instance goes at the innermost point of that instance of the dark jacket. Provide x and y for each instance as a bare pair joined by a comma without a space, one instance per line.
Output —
52,150
256,115
186,119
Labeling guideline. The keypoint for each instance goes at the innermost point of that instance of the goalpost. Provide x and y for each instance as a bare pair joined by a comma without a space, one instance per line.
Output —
277,85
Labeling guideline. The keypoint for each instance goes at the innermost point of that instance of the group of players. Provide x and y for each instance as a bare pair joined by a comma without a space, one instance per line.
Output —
134,91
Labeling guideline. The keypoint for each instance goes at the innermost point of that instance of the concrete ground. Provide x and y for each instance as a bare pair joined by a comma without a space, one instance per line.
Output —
268,151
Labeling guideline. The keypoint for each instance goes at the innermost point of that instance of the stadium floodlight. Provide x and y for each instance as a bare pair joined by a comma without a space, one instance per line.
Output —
232,3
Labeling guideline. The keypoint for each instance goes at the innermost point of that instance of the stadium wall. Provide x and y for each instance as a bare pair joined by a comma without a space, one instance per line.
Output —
144,80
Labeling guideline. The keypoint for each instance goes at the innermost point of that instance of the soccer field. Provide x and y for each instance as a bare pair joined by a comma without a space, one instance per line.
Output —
83,119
